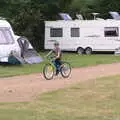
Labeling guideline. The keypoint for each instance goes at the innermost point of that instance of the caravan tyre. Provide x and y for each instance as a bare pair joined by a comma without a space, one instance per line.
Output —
88,51
80,51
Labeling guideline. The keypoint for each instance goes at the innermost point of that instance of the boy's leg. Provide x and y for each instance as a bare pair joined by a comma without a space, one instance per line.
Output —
57,65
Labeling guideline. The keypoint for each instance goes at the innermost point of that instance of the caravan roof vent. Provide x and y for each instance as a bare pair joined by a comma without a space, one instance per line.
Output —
79,17
94,15
65,16
115,15
1,18
99,19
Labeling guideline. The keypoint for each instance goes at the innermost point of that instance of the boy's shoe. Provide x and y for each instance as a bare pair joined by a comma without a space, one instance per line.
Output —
57,72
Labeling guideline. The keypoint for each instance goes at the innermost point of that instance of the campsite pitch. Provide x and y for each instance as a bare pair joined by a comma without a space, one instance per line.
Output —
28,87
74,59
95,99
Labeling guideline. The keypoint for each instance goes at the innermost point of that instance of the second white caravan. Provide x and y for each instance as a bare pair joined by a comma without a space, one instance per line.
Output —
83,36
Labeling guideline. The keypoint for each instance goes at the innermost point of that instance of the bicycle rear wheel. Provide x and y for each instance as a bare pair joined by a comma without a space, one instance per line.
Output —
65,70
48,72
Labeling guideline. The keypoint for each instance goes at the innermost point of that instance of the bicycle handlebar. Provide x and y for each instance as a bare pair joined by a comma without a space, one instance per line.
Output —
49,57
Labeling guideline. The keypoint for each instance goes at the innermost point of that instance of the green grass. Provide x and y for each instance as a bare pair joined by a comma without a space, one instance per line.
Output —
74,59
90,100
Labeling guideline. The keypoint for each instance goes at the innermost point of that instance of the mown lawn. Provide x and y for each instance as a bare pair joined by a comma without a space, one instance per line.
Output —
73,58
90,100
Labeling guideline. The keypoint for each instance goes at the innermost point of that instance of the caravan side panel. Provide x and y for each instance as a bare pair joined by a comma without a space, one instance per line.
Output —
89,33
8,41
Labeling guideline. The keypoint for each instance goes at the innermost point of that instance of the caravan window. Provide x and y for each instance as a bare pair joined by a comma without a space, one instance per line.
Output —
56,32
8,36
111,32
75,32
5,37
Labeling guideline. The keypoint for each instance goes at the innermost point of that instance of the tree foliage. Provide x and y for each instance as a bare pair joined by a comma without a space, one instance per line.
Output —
105,6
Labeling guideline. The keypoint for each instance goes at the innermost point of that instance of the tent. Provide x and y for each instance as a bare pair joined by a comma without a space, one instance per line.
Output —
28,53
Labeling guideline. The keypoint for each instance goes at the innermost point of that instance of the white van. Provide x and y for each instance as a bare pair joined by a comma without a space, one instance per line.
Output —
83,36
10,42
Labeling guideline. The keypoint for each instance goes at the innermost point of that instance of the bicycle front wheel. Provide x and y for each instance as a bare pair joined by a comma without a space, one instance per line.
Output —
48,72
65,69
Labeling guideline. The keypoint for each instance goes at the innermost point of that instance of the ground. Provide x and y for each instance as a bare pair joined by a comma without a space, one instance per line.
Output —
74,59
28,87
87,95
91,99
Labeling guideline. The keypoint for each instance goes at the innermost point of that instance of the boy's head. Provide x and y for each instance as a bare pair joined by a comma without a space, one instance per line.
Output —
56,44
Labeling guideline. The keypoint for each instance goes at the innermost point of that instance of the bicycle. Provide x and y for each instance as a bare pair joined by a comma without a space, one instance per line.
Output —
49,70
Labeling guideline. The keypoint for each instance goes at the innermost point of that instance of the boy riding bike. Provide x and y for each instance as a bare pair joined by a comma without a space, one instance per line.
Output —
57,57
55,65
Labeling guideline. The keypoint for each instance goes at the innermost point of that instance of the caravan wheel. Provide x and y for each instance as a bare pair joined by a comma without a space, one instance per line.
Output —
88,51
80,51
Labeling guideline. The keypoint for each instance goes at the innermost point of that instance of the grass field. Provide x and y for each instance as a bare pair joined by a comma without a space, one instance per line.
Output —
73,58
90,100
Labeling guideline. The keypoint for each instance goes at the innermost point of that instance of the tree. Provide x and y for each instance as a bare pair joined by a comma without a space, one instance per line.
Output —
105,6
84,7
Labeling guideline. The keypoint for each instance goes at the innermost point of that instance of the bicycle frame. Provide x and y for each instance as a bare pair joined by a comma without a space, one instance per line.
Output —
51,61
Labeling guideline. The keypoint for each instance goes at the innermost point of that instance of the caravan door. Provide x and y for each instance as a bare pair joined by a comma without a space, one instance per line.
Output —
71,39
7,44
93,38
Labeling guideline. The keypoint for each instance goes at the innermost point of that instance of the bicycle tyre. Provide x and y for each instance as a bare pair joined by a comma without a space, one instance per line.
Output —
63,69
45,69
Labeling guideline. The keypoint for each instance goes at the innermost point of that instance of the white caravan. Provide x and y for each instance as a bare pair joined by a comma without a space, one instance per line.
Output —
83,36
9,43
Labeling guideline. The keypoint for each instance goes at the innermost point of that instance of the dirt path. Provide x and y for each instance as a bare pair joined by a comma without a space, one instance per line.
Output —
27,87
